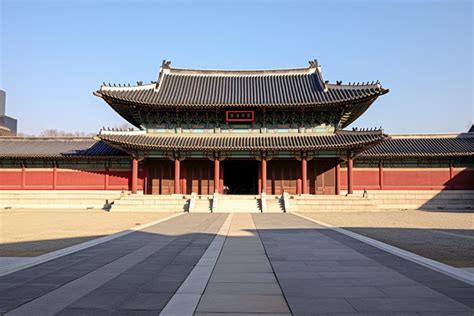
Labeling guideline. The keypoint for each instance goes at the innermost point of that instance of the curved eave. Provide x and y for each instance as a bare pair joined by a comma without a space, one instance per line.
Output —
236,143
149,106
354,111
416,156
65,157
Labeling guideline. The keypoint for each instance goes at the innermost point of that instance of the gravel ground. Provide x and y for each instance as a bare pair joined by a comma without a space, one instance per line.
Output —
447,237
33,233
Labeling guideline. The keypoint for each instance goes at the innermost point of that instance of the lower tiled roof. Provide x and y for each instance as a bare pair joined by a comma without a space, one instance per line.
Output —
339,140
419,146
55,147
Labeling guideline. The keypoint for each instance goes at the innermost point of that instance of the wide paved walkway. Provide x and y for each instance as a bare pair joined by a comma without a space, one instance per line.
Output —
268,264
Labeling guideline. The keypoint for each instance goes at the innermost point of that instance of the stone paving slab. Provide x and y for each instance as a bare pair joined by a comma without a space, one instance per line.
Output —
244,286
322,271
107,278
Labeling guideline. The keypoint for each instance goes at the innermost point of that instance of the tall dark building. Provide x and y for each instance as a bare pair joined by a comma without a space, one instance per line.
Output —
7,124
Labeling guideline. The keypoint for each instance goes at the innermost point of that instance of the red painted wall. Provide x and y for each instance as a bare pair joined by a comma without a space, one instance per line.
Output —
120,179
67,179
10,179
410,179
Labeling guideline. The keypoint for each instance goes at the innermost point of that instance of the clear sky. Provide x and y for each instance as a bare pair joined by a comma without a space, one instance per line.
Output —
54,54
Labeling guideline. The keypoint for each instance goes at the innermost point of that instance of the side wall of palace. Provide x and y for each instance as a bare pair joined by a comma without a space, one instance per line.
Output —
411,174
198,175
67,175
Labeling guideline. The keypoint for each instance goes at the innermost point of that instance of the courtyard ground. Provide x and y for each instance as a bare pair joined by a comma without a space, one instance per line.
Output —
259,264
447,237
26,233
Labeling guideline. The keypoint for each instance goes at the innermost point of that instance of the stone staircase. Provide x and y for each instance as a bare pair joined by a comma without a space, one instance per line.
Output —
275,204
202,204
238,204
421,199
151,203
49,199
329,203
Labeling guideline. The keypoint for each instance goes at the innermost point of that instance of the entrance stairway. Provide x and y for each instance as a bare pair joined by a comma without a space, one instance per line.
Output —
49,199
151,203
203,204
238,204
275,204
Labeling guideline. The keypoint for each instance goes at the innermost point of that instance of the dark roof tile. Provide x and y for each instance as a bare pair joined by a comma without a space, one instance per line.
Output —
339,140
412,146
55,147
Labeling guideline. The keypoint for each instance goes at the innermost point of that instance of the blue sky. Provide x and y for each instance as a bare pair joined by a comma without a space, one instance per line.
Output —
54,54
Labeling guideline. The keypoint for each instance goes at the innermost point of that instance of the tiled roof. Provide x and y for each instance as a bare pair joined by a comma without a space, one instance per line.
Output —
55,147
340,140
418,146
285,88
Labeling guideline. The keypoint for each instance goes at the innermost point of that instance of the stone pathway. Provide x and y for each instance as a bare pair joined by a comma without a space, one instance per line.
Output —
243,280
267,264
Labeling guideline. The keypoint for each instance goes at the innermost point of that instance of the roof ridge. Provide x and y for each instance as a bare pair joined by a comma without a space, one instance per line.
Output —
240,72
432,135
82,138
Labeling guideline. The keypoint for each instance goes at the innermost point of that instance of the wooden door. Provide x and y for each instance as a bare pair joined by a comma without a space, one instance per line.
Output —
322,176
283,176
199,175
160,177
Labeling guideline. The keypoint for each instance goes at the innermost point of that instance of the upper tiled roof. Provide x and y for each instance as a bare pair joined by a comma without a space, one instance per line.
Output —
55,147
262,142
419,146
286,88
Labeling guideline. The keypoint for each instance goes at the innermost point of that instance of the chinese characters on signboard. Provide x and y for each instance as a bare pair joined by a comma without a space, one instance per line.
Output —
239,116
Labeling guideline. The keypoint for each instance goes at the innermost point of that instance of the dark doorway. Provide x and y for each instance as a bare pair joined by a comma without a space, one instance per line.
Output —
241,176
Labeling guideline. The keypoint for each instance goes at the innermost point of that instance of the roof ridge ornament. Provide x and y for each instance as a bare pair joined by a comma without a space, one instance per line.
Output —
315,67
164,69
166,64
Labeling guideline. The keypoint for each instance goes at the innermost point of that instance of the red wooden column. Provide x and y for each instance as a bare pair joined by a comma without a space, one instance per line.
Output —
259,178
451,170
55,175
183,181
304,175
381,175
177,167
264,174
217,169
23,176
106,176
134,175
338,178
350,175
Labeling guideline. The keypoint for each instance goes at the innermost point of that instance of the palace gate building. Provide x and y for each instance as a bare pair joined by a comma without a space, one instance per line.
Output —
240,132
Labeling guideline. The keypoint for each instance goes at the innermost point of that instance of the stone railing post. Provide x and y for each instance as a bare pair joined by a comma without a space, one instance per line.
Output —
263,202
215,202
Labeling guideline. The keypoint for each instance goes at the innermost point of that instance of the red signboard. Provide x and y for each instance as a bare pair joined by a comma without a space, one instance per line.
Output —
239,116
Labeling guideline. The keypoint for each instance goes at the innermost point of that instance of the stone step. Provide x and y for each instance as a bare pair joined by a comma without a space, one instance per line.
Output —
149,208
333,211
157,197
51,206
361,202
238,206
428,207
333,208
149,202
274,206
53,200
